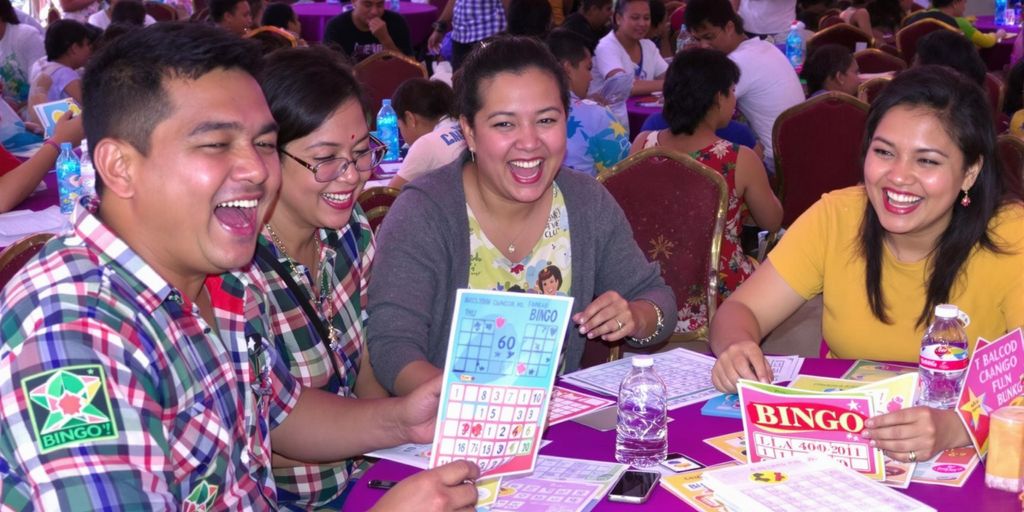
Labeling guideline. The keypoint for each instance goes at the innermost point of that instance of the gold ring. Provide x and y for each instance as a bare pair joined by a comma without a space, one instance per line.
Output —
621,325
913,456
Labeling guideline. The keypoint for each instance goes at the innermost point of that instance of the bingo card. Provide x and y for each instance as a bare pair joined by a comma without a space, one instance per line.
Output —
567,404
503,353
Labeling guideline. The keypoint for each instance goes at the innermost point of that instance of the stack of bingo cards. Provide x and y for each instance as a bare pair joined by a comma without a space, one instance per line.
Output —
503,355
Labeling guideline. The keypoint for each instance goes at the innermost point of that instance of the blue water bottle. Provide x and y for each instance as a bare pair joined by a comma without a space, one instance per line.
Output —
1000,16
387,130
795,46
393,5
69,178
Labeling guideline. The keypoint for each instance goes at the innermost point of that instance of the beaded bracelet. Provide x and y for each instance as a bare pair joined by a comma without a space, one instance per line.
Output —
657,330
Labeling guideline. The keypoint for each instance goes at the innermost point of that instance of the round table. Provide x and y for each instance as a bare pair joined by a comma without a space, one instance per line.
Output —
686,435
639,113
314,16
997,57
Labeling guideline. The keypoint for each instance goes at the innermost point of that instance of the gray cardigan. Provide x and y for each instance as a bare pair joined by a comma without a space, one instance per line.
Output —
423,258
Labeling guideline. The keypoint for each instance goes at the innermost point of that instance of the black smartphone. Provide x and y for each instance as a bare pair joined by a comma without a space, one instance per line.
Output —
381,484
634,486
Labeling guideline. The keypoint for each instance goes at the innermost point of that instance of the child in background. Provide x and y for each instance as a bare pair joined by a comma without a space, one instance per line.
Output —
427,122
68,47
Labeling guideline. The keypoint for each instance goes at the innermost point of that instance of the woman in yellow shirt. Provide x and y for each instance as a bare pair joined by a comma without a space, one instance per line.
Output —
933,223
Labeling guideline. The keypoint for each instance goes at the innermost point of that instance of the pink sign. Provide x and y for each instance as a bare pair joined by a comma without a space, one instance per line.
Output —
995,378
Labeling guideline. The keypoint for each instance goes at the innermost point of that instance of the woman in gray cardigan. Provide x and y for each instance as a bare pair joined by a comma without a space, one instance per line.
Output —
501,217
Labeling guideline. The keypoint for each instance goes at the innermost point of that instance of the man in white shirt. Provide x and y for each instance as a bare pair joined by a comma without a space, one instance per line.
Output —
766,17
768,84
101,19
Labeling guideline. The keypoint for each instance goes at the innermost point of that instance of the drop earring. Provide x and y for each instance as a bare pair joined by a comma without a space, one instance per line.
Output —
966,201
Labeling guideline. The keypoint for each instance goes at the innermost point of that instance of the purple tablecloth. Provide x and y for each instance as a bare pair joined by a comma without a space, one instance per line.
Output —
638,113
314,17
686,435
997,57
43,199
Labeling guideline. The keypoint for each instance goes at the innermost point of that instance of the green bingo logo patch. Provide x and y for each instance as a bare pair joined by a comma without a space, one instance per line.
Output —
69,406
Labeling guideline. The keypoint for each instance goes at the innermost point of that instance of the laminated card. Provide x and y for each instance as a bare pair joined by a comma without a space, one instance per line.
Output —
503,354
995,377
783,422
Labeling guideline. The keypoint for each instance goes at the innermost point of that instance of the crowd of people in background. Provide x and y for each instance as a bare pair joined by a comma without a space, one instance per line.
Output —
282,338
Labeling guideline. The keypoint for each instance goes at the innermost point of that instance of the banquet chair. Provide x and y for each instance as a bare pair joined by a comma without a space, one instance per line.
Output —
868,90
382,73
1011,160
376,202
817,149
994,91
873,60
907,37
676,207
17,255
160,11
842,34
829,21
272,38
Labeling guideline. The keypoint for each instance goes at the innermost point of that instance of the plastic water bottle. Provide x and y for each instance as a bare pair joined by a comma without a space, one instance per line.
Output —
641,437
393,5
795,46
943,362
1016,13
69,178
87,170
685,39
1000,14
387,130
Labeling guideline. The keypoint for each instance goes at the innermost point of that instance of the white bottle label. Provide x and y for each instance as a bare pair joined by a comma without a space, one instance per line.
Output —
943,358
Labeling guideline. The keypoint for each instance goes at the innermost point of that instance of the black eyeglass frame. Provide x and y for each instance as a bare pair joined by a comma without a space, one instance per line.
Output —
377,151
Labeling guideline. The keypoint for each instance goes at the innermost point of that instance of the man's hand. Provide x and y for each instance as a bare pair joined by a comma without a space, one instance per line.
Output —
379,29
449,487
434,42
418,411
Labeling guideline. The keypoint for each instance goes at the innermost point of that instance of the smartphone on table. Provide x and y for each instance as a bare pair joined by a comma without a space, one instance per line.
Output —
634,486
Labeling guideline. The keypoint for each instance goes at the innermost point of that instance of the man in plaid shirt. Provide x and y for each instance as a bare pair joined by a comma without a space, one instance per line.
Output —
135,367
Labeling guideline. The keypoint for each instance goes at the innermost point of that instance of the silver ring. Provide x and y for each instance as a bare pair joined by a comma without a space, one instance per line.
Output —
621,325
913,456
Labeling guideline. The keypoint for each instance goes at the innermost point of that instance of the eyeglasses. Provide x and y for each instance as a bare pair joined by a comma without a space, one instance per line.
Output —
329,170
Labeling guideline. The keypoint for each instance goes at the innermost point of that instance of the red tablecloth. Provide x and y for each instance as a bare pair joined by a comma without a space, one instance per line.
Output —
686,435
314,17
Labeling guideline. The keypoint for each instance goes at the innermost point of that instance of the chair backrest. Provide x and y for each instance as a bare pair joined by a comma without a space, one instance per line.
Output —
868,90
873,60
994,90
842,34
676,207
829,21
160,11
1011,159
382,73
16,255
907,37
272,38
817,149
376,202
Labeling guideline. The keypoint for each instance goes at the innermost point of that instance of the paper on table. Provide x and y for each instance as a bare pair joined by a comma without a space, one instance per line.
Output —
688,487
785,368
567,404
20,223
950,467
415,455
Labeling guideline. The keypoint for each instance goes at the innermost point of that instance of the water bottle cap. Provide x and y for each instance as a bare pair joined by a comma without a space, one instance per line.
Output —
386,102
947,311
643,361
65,145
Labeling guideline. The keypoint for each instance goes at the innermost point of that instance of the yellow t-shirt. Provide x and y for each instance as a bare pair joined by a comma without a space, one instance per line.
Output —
820,255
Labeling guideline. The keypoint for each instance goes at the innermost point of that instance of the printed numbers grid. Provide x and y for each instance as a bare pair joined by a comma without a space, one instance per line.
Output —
489,425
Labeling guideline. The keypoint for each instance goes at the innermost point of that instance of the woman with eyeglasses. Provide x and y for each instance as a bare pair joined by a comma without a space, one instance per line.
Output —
317,246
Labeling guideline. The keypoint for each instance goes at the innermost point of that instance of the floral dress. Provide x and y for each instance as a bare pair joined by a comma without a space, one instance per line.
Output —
733,265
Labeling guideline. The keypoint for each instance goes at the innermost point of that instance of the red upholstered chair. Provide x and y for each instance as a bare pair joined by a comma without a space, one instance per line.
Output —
272,38
868,90
817,149
15,256
830,20
842,34
1011,159
160,11
676,207
376,202
873,60
907,37
382,73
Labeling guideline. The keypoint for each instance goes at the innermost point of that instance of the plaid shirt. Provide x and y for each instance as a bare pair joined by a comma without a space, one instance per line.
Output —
345,260
476,20
116,395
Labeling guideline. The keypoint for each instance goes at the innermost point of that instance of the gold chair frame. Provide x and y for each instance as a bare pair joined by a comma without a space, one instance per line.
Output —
716,237
865,85
31,242
273,30
384,54
377,212
883,55
840,27
926,21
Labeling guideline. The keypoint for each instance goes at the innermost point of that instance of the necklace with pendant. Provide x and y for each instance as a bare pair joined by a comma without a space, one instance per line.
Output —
322,299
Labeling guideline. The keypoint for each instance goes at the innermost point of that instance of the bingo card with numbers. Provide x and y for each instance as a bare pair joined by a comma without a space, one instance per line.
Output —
503,354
